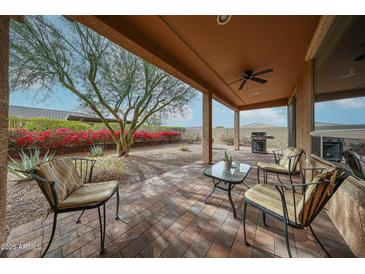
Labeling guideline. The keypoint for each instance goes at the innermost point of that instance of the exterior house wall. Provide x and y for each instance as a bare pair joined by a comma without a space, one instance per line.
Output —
346,208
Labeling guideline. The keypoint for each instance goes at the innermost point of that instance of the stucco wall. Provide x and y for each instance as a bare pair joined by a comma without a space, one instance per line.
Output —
347,209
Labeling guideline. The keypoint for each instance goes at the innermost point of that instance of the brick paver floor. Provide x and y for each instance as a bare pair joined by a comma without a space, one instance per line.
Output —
166,216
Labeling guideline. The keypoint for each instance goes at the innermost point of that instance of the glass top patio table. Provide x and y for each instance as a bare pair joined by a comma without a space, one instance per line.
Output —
235,175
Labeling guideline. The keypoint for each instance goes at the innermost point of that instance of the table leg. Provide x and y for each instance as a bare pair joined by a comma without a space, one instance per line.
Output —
231,201
214,185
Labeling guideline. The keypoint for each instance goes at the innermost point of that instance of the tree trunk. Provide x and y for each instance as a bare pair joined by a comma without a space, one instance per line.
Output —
122,149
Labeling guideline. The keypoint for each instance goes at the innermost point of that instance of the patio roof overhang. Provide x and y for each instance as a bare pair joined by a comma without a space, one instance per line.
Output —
209,56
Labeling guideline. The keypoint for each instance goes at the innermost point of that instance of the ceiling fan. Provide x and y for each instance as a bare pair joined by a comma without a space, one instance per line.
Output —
250,75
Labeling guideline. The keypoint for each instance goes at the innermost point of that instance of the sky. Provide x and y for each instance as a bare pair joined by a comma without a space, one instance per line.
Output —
347,111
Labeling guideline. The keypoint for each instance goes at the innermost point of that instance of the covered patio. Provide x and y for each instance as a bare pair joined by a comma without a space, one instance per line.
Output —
166,216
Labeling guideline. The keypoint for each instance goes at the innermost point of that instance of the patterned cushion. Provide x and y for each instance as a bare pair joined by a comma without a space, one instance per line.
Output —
272,167
89,194
63,172
284,161
316,194
268,196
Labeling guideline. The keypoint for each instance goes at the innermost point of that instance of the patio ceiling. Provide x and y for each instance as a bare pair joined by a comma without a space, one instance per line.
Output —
208,56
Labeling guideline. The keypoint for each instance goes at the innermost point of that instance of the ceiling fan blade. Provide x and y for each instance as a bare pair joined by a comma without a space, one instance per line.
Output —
360,58
242,84
259,80
234,82
263,72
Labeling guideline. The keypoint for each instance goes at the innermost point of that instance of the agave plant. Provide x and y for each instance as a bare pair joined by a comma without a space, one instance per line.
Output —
97,151
27,162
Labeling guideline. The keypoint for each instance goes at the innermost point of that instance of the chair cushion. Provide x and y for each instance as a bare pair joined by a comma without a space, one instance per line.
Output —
89,194
284,161
63,172
272,167
356,163
316,194
268,196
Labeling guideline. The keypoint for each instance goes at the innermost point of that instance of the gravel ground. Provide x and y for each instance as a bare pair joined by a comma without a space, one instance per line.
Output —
25,202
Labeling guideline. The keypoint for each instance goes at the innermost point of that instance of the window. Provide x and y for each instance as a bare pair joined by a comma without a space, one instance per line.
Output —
339,82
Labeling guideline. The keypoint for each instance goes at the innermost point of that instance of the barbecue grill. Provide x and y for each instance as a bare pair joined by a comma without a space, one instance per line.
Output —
258,141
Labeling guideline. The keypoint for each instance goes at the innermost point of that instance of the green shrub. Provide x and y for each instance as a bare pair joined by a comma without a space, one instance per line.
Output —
98,126
97,151
45,124
27,162
183,148
41,124
162,128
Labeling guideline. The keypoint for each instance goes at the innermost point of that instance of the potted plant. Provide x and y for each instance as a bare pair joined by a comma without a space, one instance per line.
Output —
227,160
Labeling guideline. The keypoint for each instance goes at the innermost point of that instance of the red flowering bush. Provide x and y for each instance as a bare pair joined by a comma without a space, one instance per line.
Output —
61,137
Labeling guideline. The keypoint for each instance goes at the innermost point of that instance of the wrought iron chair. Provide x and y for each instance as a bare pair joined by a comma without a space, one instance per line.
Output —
296,205
65,182
356,163
286,162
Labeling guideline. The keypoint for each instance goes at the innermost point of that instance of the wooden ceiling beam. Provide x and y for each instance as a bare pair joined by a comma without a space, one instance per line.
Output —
323,27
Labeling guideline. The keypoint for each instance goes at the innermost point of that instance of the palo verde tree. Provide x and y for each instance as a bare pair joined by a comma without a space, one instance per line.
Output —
109,81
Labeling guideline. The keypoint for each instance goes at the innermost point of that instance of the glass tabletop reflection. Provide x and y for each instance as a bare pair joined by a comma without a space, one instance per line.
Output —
236,174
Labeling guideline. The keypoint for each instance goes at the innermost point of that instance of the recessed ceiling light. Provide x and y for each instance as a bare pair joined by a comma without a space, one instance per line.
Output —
223,19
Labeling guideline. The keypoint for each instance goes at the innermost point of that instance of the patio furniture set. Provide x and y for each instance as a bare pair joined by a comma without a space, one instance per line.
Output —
66,184
296,205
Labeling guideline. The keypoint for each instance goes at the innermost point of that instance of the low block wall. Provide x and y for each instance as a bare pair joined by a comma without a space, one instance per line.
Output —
347,209
280,134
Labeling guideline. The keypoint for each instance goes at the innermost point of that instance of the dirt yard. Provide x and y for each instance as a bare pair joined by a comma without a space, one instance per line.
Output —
25,202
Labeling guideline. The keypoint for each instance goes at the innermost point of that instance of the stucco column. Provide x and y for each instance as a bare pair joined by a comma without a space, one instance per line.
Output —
304,108
236,135
4,103
207,128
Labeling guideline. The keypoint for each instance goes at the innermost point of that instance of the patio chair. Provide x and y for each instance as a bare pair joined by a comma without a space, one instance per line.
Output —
65,182
296,205
356,162
286,162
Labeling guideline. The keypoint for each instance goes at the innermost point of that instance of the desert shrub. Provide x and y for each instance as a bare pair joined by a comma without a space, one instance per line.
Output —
183,148
190,138
227,139
245,141
108,168
97,151
197,138
27,162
